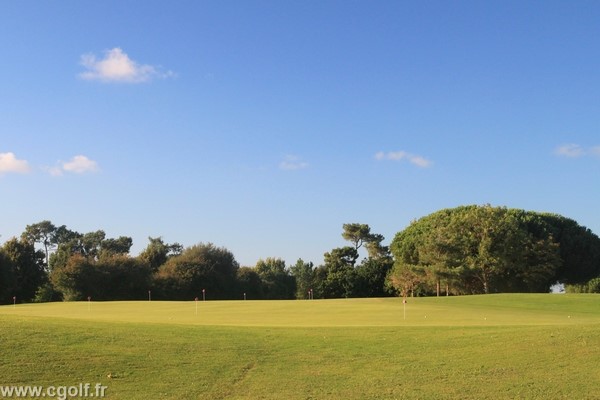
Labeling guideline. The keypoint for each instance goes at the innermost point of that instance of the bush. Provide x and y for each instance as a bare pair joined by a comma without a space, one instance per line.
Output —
592,286
203,266
46,293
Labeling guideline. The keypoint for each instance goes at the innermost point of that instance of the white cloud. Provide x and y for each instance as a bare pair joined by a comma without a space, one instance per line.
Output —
292,163
54,171
392,155
576,151
570,150
78,165
414,159
9,163
116,66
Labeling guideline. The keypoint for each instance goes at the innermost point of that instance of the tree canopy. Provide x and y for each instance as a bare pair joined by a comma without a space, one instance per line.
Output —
463,250
485,249
197,268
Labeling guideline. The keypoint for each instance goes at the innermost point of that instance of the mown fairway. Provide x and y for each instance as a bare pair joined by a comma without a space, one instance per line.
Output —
472,347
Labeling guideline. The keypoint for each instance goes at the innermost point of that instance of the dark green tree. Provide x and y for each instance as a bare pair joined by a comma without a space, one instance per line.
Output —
158,252
481,249
340,279
7,278
579,249
90,244
249,282
371,276
357,234
277,282
304,273
360,234
119,246
116,277
77,279
67,243
44,233
203,266
28,267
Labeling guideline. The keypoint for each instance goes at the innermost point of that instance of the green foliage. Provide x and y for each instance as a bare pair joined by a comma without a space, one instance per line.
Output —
249,282
304,273
158,252
357,234
579,249
203,266
91,245
66,243
47,293
478,249
27,263
371,276
75,279
42,232
340,276
405,278
117,277
277,282
592,286
7,277
466,250
120,246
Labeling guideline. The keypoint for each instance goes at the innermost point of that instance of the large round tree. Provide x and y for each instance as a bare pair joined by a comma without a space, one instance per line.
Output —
485,249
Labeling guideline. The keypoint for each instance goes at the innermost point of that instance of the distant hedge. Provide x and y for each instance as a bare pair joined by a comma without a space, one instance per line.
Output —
592,286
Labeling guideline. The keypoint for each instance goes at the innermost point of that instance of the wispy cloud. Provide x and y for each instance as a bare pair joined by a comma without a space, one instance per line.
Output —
572,150
77,165
292,163
569,150
414,159
9,163
116,66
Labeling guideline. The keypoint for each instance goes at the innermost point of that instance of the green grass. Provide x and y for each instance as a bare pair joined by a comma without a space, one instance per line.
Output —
472,347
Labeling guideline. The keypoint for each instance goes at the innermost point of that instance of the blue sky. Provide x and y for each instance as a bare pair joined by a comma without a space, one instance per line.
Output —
263,126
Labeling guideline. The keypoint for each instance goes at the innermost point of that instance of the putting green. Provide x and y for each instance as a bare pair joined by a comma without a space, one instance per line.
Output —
482,310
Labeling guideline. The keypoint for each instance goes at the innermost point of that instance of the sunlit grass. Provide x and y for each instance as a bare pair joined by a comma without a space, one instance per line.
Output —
523,309
476,347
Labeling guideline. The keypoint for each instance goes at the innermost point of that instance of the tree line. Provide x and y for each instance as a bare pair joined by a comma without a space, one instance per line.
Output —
52,263
464,250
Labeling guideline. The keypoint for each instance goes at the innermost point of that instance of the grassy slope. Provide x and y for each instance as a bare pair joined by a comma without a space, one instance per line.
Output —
506,346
